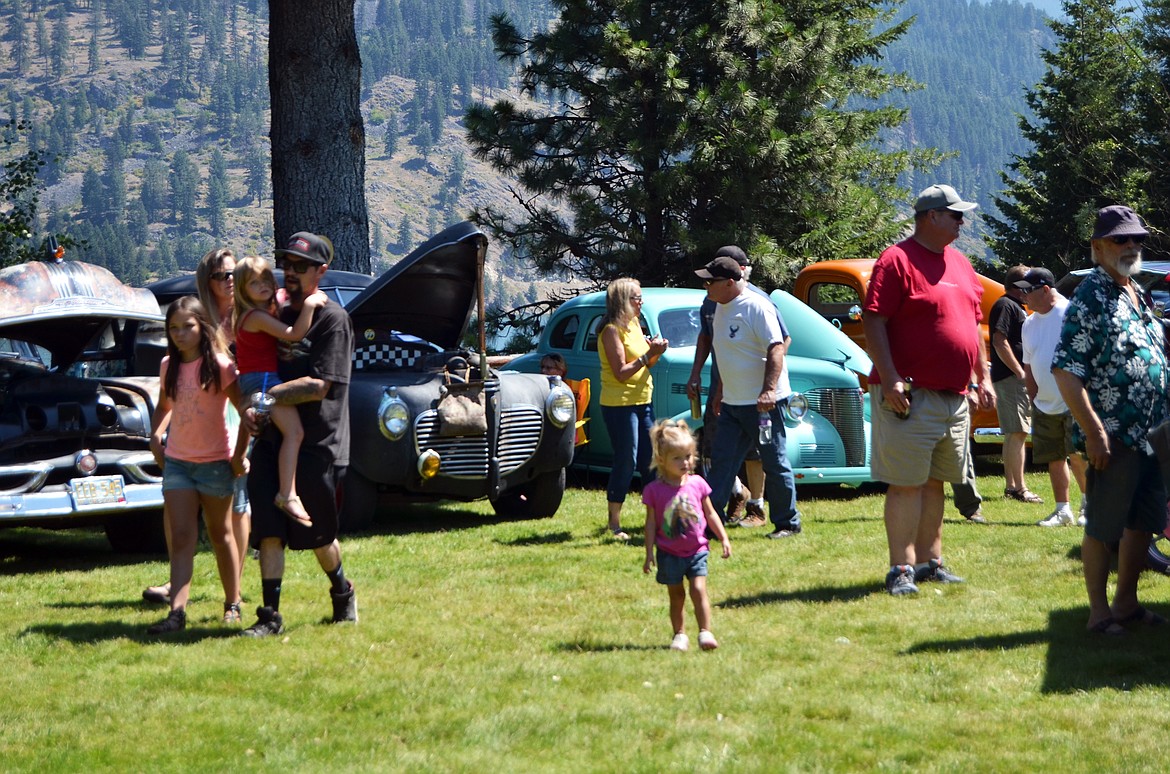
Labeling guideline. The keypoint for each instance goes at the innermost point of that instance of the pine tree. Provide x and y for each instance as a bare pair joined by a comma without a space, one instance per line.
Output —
691,125
1085,142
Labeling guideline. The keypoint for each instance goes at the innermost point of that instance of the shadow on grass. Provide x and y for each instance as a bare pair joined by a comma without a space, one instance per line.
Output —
1078,660
25,551
819,594
429,518
606,647
552,538
103,631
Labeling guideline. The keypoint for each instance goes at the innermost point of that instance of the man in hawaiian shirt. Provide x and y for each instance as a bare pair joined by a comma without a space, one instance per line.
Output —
1111,371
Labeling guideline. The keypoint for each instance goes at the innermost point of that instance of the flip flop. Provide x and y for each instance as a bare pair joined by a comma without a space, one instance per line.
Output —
293,507
1141,615
1108,626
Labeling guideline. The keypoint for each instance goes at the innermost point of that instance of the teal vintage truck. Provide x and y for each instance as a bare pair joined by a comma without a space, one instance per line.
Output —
828,419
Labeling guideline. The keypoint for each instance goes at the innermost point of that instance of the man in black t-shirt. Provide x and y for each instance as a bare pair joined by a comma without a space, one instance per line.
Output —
314,375
1006,323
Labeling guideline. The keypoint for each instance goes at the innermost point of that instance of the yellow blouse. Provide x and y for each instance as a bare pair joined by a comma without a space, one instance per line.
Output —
638,389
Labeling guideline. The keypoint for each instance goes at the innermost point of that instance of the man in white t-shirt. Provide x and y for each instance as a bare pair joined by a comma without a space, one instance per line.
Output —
749,340
1051,420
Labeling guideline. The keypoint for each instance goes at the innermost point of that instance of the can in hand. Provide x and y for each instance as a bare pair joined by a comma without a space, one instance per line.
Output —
696,405
908,386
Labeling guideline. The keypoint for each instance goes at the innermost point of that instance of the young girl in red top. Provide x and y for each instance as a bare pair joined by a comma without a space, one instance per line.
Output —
678,512
257,331
199,466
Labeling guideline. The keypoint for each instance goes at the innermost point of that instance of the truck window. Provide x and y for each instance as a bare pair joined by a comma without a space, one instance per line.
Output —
833,300
564,334
679,326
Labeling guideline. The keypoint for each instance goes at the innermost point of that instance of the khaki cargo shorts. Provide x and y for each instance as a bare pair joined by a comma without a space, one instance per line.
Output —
930,443
1013,406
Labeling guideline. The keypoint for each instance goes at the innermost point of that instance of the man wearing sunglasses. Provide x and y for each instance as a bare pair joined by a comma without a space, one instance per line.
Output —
315,374
921,320
1006,323
1110,367
1051,421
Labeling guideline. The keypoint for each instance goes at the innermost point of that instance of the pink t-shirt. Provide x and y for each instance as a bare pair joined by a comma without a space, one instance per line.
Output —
680,526
932,306
198,431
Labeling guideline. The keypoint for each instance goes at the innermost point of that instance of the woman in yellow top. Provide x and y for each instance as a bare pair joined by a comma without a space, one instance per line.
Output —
626,356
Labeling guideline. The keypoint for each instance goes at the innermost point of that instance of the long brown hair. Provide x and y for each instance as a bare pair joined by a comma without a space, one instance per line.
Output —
208,367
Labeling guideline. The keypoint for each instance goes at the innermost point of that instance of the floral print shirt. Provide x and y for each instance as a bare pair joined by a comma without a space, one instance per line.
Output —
1116,349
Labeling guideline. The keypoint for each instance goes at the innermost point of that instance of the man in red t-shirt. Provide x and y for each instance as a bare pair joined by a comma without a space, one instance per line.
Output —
922,313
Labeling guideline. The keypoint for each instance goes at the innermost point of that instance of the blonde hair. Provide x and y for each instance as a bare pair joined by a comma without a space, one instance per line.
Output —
248,268
669,436
619,301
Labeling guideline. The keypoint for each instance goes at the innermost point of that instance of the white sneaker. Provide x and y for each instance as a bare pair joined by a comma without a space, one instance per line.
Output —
707,640
1059,518
1081,517
681,641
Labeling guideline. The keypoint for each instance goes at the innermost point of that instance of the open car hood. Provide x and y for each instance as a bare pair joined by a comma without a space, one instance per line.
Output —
815,337
429,293
63,306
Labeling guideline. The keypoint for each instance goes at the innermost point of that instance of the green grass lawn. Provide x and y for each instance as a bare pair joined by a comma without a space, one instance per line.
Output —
540,646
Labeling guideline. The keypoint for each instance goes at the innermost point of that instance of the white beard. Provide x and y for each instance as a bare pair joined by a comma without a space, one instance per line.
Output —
1129,269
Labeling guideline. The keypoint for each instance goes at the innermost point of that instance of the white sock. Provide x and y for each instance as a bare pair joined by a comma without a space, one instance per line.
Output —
759,502
1063,507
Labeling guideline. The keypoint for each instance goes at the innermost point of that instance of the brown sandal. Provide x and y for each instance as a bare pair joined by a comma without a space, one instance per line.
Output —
294,508
1024,495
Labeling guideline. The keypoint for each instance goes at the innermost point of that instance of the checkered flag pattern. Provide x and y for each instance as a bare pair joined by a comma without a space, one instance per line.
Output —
387,356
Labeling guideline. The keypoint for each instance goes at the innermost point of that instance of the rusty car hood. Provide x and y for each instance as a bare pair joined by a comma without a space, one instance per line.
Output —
62,306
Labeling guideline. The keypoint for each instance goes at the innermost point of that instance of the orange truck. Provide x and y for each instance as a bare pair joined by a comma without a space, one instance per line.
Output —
836,289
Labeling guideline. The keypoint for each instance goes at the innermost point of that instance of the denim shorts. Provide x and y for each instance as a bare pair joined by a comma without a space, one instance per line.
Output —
257,381
672,569
210,478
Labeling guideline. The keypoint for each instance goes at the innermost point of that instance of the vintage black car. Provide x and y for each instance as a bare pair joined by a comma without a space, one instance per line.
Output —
74,417
409,326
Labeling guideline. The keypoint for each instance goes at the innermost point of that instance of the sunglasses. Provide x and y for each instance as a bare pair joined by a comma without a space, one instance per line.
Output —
709,282
297,267
221,276
1137,239
954,214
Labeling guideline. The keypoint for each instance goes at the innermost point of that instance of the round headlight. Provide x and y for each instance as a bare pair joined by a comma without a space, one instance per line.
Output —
559,405
393,415
797,407
428,464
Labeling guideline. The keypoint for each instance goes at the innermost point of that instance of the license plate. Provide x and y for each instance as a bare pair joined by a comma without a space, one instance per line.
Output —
97,490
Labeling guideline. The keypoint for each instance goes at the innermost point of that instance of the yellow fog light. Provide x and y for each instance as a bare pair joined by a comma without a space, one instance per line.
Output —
428,464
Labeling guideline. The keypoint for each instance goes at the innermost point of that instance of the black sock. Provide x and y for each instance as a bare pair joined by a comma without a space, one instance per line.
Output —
337,578
271,588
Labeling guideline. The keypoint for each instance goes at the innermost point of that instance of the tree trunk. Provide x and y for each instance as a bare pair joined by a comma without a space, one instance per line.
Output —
318,138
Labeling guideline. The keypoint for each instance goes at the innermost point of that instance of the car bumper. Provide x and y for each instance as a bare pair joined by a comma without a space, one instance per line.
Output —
993,436
847,476
57,504
35,502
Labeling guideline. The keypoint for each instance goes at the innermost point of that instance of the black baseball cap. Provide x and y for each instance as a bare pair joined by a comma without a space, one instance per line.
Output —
311,247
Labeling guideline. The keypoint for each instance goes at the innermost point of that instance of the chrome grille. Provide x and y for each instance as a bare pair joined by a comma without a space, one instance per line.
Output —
843,407
467,456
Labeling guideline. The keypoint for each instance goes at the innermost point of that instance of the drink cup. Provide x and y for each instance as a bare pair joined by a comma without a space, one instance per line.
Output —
262,403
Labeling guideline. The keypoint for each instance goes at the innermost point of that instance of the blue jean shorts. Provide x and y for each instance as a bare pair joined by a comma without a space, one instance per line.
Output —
215,479
672,569
257,381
